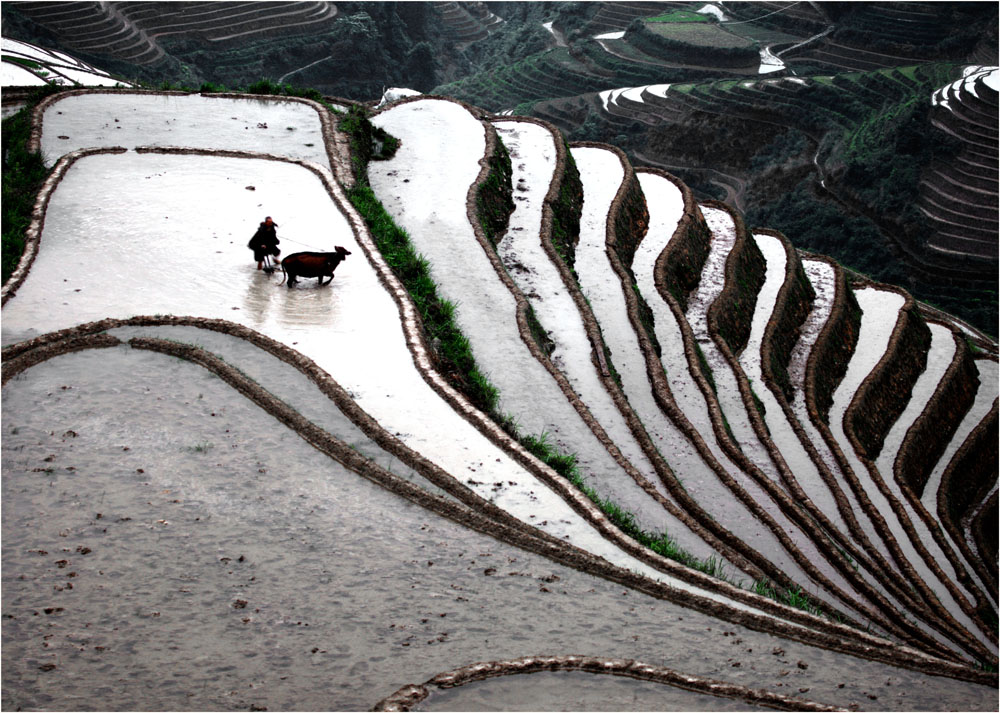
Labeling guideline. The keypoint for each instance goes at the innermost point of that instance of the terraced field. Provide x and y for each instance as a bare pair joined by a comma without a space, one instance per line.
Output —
824,73
26,65
763,84
551,413
131,31
843,116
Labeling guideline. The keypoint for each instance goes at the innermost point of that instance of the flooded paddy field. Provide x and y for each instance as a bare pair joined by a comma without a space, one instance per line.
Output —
283,128
221,493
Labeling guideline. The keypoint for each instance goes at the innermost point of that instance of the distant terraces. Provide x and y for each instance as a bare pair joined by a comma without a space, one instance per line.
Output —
959,192
95,28
617,15
960,195
466,22
130,30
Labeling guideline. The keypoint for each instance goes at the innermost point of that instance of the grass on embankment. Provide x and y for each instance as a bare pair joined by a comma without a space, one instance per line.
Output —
24,172
454,354
678,16
23,175
456,362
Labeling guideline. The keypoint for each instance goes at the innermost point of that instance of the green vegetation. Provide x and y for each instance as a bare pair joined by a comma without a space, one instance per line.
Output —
706,370
792,597
731,315
23,61
494,201
698,43
261,86
701,35
566,211
23,175
538,333
368,142
624,520
679,16
449,346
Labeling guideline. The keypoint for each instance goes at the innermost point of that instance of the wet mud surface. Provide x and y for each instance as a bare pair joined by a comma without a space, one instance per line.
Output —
169,544
166,546
287,128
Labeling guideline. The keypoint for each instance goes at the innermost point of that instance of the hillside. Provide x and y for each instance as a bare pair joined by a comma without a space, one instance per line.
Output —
558,412
770,101
653,420
776,136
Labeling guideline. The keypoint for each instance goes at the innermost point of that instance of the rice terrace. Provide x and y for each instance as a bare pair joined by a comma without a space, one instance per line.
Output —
627,356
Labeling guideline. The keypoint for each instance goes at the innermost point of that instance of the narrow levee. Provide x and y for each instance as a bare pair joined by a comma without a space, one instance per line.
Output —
880,310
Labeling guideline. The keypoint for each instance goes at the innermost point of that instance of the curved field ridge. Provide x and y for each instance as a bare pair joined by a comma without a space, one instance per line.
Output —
427,694
26,64
535,266
637,344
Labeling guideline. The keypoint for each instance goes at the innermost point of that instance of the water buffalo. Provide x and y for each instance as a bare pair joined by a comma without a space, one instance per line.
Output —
312,265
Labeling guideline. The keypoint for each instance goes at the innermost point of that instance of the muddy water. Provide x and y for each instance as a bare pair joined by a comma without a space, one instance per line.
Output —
431,207
148,234
165,518
288,128
880,310
286,383
533,162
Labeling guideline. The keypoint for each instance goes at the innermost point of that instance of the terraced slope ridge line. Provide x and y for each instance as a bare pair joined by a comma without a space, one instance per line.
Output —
551,412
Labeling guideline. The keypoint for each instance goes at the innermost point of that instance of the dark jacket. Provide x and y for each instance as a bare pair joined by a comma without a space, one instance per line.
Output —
264,241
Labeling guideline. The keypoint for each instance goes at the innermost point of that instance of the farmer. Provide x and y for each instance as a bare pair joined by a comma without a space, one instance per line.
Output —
265,242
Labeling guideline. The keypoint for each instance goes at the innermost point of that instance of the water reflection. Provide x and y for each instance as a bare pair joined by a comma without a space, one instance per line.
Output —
308,305
257,297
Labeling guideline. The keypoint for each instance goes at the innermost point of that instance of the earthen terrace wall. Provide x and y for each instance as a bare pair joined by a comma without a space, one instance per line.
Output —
972,468
789,506
885,392
791,308
561,211
412,694
731,314
680,264
928,437
855,543
833,349
793,502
